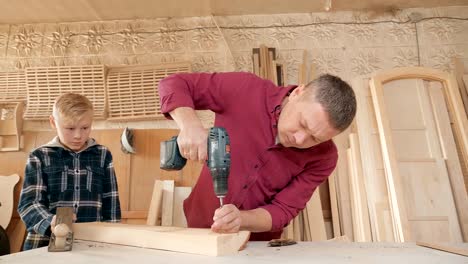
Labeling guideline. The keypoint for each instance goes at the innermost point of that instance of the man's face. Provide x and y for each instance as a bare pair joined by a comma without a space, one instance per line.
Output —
73,133
303,123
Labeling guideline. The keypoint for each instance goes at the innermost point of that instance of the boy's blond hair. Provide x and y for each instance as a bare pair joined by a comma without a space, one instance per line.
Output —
71,106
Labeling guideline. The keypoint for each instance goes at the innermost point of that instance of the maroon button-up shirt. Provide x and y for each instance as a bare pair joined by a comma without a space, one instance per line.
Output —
263,174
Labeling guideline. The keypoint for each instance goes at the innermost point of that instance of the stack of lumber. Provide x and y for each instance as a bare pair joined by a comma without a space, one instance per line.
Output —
265,65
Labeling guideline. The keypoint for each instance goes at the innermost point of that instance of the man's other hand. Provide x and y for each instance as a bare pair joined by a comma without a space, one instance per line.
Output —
227,219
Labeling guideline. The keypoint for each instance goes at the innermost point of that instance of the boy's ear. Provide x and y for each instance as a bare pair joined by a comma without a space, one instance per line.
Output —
52,122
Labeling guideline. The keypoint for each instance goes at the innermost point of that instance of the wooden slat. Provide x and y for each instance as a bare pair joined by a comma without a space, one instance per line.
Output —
45,84
362,231
315,215
188,240
167,203
154,210
396,195
334,205
12,86
132,91
459,72
449,153
373,175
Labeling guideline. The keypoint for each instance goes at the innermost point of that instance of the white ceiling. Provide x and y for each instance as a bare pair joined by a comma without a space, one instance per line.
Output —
45,11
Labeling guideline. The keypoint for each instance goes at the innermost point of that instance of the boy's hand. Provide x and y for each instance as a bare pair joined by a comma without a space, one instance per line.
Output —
227,219
54,222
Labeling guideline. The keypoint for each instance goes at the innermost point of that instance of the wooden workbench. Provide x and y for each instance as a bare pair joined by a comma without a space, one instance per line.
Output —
256,252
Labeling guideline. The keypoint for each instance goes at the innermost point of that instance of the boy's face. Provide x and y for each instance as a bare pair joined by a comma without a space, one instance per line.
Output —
303,123
74,134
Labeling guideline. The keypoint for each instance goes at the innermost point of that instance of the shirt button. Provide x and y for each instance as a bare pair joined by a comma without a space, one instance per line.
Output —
77,171
75,205
77,188
256,166
245,186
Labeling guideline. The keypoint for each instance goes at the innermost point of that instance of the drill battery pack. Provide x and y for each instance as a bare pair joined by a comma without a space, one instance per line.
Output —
170,157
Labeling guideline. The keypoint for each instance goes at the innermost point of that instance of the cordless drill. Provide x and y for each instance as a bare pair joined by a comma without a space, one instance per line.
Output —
218,162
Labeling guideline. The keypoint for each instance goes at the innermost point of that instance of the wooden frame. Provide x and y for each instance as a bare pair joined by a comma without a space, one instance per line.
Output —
455,106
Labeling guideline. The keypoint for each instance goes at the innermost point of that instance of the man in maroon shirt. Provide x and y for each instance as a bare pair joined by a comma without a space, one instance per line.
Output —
281,147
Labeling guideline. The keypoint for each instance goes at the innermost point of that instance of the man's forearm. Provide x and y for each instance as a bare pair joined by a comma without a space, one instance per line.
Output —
257,220
185,117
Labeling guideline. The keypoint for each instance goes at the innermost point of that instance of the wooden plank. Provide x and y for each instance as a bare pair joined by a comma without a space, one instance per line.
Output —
154,210
180,194
447,248
459,73
358,194
297,229
134,214
396,195
342,185
167,203
315,215
188,240
334,205
449,153
371,158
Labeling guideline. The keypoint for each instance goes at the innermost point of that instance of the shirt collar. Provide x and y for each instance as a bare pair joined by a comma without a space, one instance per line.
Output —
55,142
274,107
274,104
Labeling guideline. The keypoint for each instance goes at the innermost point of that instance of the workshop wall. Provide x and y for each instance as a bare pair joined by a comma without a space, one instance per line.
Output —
342,43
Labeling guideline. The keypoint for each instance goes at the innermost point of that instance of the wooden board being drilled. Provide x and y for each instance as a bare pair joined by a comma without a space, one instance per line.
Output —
188,240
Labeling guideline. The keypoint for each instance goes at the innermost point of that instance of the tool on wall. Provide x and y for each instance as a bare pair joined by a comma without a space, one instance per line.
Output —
126,141
218,162
61,238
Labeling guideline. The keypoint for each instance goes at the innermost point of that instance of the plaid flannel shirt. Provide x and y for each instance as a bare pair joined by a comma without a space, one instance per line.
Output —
58,177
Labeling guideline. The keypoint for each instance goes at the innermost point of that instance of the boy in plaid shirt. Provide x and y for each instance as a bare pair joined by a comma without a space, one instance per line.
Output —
70,171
